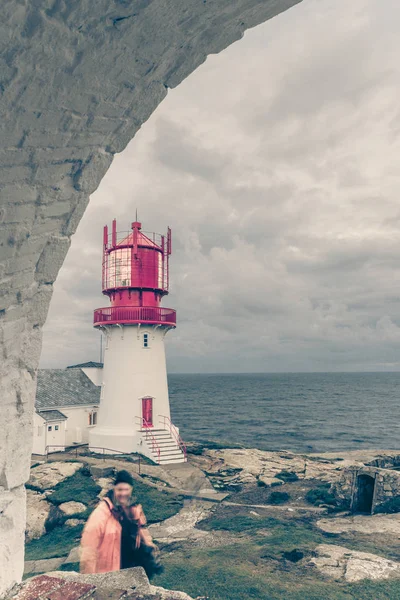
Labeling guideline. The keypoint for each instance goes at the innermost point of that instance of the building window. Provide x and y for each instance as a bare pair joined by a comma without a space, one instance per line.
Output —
49,428
56,427
145,340
93,418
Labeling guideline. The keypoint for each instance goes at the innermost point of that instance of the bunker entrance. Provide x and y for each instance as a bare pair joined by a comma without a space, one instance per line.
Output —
364,494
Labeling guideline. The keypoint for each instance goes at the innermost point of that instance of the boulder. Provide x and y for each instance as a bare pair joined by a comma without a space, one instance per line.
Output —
339,563
48,475
73,556
73,522
37,512
131,584
72,508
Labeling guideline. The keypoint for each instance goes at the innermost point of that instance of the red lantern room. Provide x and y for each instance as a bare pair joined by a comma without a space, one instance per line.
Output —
135,277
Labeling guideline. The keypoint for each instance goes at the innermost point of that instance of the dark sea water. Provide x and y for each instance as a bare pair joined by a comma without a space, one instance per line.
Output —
308,412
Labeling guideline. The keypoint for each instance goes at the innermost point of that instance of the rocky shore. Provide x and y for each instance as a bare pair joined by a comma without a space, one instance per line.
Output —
280,519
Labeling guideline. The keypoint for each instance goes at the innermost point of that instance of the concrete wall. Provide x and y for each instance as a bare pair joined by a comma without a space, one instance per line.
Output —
76,84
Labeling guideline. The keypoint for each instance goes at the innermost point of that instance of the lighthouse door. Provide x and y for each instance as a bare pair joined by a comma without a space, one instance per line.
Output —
147,412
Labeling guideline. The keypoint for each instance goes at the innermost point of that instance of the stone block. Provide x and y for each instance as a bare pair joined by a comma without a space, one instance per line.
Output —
38,587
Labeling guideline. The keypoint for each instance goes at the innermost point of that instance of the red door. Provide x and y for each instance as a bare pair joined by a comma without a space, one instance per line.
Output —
147,412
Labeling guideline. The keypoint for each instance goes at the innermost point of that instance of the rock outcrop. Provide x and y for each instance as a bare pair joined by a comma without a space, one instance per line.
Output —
130,584
76,84
340,563
47,476
38,510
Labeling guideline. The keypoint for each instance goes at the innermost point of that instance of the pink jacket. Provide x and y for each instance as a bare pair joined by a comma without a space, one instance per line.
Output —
101,539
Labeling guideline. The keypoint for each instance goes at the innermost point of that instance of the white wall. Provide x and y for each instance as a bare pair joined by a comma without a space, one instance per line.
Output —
42,437
95,374
77,425
39,435
130,373
55,434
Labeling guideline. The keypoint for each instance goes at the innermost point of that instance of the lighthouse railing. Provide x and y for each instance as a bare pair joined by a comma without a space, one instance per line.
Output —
174,432
146,428
135,314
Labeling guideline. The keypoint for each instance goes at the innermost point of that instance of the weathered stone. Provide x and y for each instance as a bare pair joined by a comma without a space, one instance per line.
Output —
73,522
48,475
72,508
389,524
182,525
42,566
73,556
12,528
339,563
37,512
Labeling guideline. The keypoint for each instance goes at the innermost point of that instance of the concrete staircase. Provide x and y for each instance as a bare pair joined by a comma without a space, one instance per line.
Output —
163,446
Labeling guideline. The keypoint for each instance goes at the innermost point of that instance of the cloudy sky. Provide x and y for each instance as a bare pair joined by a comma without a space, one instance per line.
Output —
277,166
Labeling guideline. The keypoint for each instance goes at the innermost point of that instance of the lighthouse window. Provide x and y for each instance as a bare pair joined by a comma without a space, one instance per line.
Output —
145,340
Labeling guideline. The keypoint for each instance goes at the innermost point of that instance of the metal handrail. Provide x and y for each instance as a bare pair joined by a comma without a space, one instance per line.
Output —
76,448
146,427
174,432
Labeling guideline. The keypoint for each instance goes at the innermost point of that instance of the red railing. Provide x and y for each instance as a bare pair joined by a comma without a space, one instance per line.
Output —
174,433
146,429
153,315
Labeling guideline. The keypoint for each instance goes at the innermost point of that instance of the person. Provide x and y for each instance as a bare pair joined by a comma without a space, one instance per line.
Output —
115,536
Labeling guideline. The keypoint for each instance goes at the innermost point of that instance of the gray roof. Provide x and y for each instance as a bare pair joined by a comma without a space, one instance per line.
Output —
65,387
87,365
51,415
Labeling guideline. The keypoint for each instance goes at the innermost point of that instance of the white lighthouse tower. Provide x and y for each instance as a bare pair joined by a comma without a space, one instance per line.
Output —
134,413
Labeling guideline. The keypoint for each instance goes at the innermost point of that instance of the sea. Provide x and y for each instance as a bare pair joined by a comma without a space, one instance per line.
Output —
302,412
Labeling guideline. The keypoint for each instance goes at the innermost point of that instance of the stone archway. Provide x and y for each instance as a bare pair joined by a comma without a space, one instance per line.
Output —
75,86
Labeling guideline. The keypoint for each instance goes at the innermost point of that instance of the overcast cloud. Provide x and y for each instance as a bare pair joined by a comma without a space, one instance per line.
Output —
277,166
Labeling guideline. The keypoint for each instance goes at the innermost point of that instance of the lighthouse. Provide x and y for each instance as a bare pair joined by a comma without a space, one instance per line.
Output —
134,413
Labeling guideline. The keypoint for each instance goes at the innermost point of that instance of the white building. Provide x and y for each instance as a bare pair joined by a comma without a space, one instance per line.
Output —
67,401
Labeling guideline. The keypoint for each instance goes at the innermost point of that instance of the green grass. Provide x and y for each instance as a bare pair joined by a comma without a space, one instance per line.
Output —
58,542
321,495
70,567
219,574
287,476
157,505
80,487
278,498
